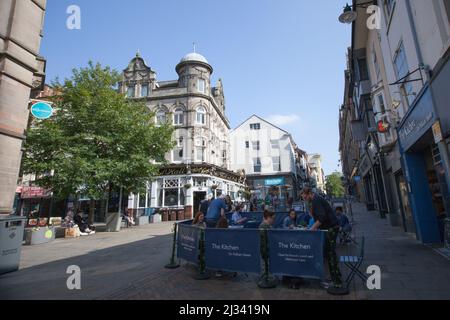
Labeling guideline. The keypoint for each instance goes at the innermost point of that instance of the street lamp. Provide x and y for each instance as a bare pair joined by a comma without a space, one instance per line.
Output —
350,15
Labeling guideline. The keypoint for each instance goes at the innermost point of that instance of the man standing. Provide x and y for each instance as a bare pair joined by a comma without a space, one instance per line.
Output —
204,204
325,219
215,211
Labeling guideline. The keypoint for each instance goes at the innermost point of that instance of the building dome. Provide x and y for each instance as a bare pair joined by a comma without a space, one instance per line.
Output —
193,56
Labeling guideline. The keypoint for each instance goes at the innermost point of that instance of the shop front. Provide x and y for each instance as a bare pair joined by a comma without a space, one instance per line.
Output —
426,176
277,192
177,193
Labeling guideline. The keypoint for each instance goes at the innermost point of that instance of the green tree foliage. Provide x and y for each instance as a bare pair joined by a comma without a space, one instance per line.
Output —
96,139
334,185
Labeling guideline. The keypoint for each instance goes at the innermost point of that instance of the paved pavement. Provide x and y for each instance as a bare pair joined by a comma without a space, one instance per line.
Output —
130,265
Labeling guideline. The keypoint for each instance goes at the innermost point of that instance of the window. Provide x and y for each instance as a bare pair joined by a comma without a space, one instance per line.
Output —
274,144
144,90
247,144
255,145
130,91
178,117
200,154
381,103
255,126
178,154
362,69
401,66
201,85
201,116
276,164
256,164
142,198
161,117
368,112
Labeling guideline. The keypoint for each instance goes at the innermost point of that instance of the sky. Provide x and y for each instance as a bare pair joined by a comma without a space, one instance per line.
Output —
282,60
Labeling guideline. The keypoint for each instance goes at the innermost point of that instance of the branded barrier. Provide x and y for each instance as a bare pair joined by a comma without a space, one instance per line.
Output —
188,242
233,250
297,253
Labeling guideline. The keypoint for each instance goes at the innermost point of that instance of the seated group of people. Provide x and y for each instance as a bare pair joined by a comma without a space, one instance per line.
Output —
292,221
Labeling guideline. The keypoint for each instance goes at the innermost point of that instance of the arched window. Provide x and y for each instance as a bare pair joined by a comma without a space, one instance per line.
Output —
161,117
201,115
178,117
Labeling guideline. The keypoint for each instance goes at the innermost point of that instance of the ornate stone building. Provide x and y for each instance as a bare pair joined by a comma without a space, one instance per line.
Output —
199,164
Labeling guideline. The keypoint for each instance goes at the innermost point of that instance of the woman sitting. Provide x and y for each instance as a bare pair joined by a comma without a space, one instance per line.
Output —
199,220
290,222
237,218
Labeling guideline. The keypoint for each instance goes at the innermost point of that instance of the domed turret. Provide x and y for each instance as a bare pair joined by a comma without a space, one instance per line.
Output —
194,73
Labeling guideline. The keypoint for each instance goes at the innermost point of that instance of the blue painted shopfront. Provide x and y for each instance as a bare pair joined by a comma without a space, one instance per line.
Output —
414,136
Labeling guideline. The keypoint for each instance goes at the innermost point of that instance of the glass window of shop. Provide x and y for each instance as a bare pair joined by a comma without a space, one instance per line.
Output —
171,193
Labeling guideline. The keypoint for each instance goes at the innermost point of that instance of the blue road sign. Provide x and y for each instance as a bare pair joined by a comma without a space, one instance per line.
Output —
41,110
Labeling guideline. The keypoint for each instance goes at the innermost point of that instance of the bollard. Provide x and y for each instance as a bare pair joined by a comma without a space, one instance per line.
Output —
202,273
173,264
266,281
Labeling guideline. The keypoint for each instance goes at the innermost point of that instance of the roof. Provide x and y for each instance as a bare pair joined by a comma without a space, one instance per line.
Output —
254,115
193,56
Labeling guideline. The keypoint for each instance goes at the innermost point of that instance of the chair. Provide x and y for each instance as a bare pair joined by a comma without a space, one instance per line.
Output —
345,237
354,263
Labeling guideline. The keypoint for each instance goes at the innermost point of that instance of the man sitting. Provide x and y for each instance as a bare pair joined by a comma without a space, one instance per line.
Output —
344,224
82,225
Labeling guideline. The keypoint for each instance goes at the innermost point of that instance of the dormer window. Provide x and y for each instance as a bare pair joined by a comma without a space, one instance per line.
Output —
130,91
201,85
144,90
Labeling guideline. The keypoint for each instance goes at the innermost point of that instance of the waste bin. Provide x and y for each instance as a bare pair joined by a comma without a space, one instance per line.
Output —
113,222
11,237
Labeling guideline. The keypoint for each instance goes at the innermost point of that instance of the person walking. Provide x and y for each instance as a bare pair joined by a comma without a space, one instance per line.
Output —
215,211
325,219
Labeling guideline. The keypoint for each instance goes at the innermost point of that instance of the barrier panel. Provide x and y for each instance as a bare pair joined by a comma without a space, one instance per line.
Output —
235,250
296,253
188,243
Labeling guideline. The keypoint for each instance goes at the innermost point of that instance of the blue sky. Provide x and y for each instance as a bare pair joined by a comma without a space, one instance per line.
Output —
283,60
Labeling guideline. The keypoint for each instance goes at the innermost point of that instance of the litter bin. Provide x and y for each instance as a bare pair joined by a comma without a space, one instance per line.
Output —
11,237
113,222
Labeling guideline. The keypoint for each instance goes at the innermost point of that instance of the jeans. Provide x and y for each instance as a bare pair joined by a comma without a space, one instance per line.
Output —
211,223
331,256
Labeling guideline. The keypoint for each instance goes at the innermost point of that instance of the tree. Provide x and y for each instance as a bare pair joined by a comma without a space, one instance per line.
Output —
97,139
334,185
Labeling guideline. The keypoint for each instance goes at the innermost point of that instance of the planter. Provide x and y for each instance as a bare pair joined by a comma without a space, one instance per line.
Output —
142,221
156,218
39,235
113,222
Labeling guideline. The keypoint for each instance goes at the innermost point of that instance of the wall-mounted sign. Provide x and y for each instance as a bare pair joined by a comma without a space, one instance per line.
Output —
275,181
41,110
418,121
437,132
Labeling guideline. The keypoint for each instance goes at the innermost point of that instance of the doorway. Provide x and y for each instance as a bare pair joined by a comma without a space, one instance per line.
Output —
198,197
405,207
